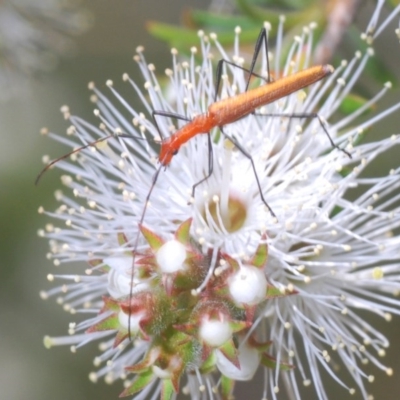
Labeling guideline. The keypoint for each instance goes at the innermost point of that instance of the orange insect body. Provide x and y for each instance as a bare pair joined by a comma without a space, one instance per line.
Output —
233,108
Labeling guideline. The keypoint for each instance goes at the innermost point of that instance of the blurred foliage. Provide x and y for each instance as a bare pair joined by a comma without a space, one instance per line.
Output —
223,16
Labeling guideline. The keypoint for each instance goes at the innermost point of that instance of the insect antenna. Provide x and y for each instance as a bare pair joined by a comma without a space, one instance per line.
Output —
79,149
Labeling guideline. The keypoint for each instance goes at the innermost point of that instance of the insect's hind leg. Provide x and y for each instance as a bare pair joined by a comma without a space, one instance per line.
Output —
262,38
310,115
248,156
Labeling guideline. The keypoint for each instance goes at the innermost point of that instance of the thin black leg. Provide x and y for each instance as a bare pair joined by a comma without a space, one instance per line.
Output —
248,156
309,115
210,164
262,37
166,114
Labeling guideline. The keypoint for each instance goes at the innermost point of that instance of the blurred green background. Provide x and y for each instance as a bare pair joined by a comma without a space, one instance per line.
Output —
27,369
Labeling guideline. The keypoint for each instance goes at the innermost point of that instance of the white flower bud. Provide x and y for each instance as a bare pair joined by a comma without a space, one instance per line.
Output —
119,279
248,359
248,285
215,333
171,257
133,320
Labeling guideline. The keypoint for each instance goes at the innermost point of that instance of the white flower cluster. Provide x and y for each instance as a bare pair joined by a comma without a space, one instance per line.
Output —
336,253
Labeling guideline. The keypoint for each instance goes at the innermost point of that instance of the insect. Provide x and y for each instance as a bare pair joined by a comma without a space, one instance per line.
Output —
221,113
228,110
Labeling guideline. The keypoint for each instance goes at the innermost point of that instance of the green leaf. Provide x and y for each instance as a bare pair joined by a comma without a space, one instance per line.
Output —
257,13
393,3
220,22
314,12
175,36
352,103
140,382
375,67
379,71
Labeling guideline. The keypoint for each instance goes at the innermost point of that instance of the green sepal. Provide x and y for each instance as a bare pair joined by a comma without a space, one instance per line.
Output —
121,335
139,383
270,362
175,378
273,292
96,262
227,386
229,350
188,329
122,239
231,261
238,326
147,361
208,364
112,321
110,304
260,346
108,324
182,233
261,256
167,389
154,241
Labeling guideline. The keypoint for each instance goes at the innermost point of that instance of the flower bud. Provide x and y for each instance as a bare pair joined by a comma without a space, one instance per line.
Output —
215,333
248,285
171,257
249,360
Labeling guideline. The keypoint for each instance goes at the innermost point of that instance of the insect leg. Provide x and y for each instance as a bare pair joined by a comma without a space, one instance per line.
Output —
262,37
210,164
169,115
136,243
310,115
248,156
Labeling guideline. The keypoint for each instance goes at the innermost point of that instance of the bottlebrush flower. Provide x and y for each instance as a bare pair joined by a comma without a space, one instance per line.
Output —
169,306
